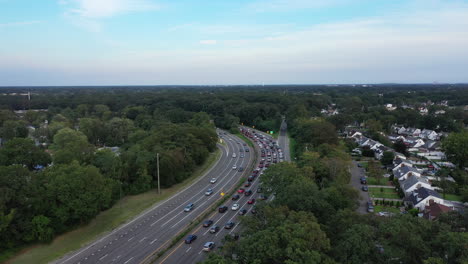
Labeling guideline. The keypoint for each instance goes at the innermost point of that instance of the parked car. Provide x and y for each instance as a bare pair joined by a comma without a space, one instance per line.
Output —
235,197
222,209
189,207
190,239
229,225
248,193
207,223
359,165
209,246
363,180
235,206
364,188
214,229
247,184
213,180
209,192
370,207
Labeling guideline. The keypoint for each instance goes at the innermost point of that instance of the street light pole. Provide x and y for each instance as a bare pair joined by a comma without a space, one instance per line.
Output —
159,186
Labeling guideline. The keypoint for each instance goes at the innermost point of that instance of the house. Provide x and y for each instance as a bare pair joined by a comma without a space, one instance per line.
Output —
422,197
379,151
431,145
439,112
401,163
390,107
423,110
434,210
394,137
428,134
413,183
433,155
402,173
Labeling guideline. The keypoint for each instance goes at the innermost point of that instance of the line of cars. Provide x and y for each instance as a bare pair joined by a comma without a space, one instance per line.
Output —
268,148
364,188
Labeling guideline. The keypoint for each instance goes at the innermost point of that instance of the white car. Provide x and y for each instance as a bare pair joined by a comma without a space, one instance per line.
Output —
209,192
208,246
213,180
234,167
235,207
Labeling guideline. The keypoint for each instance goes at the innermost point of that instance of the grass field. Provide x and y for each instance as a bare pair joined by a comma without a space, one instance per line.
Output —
383,193
381,208
123,211
373,181
453,197
244,138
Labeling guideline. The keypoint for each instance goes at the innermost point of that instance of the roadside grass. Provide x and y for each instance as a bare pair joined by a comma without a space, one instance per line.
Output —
383,193
123,211
245,139
374,181
453,197
391,209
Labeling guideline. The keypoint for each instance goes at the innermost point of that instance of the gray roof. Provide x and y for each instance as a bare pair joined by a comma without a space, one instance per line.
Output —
411,181
405,169
420,194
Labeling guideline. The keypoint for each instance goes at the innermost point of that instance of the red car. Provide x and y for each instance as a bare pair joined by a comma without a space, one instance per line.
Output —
251,201
247,184
241,190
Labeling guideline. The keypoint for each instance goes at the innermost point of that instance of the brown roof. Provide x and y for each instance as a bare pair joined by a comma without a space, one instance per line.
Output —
433,210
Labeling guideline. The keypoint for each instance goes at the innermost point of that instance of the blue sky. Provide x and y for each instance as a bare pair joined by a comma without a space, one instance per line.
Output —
145,42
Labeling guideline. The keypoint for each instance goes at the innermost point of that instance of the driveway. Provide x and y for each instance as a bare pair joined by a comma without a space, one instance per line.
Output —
356,174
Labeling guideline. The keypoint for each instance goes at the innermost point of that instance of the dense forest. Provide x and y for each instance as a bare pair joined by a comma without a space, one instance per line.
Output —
66,137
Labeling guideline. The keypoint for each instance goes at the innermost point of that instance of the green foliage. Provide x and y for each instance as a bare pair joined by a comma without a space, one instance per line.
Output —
387,158
23,151
456,148
70,145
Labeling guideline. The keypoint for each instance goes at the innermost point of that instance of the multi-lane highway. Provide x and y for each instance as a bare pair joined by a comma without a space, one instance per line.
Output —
283,141
193,252
144,236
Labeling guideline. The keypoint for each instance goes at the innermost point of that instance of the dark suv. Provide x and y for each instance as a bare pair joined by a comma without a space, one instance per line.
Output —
222,209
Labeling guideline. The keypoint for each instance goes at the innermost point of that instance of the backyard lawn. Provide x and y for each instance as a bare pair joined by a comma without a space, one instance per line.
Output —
383,193
391,209
453,197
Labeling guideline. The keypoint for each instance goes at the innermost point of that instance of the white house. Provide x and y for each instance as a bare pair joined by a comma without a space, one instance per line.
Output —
422,197
402,173
414,183
429,134
403,163
411,131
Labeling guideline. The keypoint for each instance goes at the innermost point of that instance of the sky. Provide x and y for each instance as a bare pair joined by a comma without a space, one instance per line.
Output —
199,42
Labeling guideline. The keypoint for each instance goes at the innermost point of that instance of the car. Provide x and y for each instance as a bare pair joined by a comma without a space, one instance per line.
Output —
234,155
237,142
209,192
359,165
222,209
241,150
214,229
364,188
247,150
248,193
241,190
254,210
235,207
189,207
213,180
363,180
260,165
244,144
263,197
267,165
235,236
190,239
247,184
241,169
243,212
370,207
207,223
208,246
234,167
229,225
235,197
241,155
251,201
251,178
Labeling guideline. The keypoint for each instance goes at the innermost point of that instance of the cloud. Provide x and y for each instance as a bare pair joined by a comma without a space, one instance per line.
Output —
208,42
20,23
290,5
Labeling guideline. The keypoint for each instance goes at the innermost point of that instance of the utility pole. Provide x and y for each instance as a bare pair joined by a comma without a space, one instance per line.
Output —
159,186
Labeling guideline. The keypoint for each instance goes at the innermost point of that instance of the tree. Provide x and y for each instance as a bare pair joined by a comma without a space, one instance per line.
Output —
375,171
456,148
12,129
387,158
400,147
23,151
71,145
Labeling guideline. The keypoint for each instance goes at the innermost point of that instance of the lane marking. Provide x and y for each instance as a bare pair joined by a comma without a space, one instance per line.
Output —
153,241
103,257
142,239
131,238
188,249
128,260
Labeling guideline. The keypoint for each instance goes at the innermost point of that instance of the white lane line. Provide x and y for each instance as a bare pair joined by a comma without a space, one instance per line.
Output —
103,257
188,249
200,252
128,260
223,148
131,238
188,215
153,241
142,239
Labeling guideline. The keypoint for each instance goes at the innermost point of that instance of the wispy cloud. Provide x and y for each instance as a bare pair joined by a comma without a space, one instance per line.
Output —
88,13
290,5
20,23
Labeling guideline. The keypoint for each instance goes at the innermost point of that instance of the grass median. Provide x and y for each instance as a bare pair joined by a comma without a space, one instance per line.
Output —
123,211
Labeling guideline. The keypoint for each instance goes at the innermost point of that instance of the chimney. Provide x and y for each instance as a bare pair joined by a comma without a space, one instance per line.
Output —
431,202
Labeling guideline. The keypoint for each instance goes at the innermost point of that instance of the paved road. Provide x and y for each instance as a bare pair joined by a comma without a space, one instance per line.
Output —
356,174
193,253
155,228
283,141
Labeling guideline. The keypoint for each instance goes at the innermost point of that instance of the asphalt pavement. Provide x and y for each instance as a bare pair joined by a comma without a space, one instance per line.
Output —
193,252
356,174
152,231
283,141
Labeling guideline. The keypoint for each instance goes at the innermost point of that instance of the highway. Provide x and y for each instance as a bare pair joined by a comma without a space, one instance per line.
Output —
152,231
283,141
193,253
